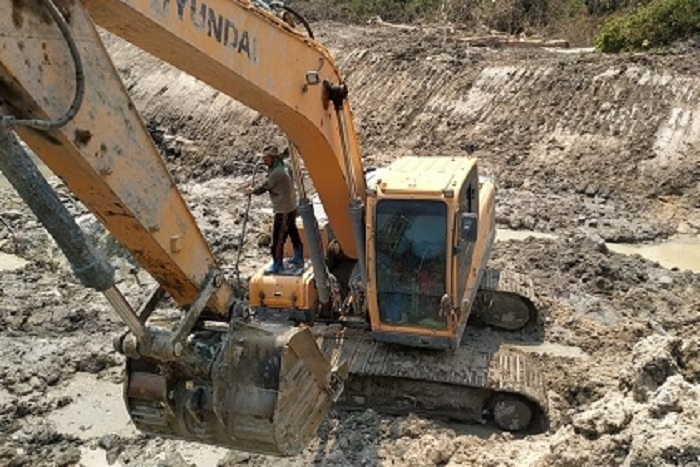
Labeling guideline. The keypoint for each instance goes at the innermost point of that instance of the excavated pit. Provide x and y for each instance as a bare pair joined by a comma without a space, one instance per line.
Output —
589,149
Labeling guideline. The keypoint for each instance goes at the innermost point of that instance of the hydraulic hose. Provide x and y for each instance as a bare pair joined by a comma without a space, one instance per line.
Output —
79,79
296,14
313,240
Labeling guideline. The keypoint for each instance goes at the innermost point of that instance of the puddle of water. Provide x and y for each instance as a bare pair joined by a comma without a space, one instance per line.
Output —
683,253
553,349
11,262
97,409
507,234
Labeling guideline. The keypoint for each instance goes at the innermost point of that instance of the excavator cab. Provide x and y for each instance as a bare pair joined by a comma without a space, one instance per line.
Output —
425,233
411,262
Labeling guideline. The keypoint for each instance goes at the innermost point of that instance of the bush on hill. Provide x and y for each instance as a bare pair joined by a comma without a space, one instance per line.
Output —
655,24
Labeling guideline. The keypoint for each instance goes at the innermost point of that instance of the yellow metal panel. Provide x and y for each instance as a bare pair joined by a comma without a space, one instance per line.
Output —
425,175
485,238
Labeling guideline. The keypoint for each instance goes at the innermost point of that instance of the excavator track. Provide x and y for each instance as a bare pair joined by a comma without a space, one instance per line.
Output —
504,387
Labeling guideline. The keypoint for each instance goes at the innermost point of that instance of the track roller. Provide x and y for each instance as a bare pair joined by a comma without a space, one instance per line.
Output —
511,412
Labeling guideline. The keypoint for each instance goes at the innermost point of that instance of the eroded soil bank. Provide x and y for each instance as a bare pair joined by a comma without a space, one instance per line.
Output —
591,149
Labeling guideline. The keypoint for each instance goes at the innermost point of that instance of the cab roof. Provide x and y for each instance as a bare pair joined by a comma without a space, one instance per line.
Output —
425,175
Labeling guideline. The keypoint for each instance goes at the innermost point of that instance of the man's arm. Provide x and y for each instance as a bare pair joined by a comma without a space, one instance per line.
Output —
262,188
271,181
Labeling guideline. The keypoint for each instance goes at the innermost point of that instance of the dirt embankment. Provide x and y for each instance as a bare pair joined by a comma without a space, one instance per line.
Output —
570,138
590,148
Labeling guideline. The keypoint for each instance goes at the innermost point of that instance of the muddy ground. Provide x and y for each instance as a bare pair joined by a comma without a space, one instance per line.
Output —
589,148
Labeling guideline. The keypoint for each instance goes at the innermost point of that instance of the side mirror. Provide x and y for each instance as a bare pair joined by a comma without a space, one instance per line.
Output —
468,226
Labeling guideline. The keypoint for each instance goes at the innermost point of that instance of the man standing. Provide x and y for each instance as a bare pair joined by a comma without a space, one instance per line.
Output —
280,186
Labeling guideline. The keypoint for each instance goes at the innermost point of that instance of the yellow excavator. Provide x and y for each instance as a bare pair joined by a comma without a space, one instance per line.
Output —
396,257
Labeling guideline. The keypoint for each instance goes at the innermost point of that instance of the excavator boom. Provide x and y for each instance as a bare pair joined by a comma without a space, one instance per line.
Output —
256,58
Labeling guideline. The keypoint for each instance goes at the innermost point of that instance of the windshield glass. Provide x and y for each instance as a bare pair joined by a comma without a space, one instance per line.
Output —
411,262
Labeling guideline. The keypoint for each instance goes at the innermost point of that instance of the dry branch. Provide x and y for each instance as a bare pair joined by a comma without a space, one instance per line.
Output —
378,20
515,42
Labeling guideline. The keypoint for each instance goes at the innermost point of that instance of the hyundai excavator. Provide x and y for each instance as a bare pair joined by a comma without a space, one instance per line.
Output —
397,258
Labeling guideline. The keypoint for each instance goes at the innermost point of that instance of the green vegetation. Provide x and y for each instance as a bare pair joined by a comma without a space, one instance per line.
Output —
657,23
619,24
574,20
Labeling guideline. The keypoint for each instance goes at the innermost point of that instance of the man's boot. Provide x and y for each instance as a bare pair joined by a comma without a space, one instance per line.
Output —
274,268
298,257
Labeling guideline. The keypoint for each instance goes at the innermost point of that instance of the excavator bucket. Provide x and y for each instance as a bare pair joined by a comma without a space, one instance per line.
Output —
260,388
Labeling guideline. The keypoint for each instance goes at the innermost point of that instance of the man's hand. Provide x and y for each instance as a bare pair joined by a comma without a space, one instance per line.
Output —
247,190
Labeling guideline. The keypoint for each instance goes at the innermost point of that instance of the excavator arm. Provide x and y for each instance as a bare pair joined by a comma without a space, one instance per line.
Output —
105,156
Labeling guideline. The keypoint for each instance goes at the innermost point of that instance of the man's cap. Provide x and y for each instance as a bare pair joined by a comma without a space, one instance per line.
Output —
271,151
